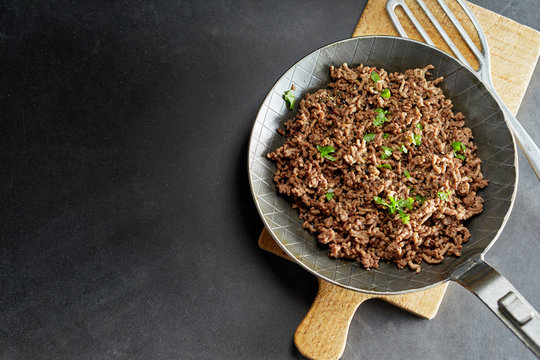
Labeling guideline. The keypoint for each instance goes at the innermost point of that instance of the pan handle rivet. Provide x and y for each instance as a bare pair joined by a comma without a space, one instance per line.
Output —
513,307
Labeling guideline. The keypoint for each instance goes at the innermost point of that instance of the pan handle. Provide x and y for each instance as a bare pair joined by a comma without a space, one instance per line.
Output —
503,299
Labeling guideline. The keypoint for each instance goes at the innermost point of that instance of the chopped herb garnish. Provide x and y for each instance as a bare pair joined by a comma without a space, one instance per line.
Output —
420,199
329,194
385,166
398,205
416,139
419,126
385,94
405,203
385,136
405,218
387,152
369,137
403,149
380,118
289,98
380,201
458,146
325,151
374,76
444,195
407,174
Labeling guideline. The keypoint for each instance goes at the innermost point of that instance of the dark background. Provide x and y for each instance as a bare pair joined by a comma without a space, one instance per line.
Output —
128,230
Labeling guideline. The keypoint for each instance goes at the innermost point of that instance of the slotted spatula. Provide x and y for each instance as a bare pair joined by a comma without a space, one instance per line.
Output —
529,148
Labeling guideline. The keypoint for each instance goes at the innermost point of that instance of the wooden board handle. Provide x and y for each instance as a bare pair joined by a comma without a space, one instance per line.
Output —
322,335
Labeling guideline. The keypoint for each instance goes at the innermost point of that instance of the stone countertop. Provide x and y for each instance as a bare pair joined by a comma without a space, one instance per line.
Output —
128,227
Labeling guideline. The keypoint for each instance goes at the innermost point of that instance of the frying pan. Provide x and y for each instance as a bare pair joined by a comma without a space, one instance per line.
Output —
496,149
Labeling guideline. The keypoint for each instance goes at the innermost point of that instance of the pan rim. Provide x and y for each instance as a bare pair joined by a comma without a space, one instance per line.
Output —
353,288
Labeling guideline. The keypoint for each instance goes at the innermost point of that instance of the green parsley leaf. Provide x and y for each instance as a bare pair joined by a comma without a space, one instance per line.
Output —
387,152
420,199
405,203
407,174
329,194
330,157
458,146
325,151
380,118
444,195
403,149
369,137
398,205
385,136
385,94
416,139
385,166
419,126
374,76
405,218
392,207
289,98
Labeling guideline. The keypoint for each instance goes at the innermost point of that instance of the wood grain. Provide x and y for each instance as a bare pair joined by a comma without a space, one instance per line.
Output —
514,50
323,332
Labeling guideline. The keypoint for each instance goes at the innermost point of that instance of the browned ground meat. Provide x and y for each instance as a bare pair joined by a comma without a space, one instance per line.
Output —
406,208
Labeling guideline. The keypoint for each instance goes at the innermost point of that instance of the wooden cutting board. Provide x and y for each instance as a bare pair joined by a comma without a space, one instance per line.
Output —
514,50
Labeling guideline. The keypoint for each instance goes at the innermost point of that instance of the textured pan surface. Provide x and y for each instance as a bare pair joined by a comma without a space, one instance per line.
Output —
483,115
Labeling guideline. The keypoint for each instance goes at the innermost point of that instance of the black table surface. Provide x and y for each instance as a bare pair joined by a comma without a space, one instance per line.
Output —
128,229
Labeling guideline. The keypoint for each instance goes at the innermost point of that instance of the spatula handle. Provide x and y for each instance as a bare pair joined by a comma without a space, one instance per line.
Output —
524,140
322,335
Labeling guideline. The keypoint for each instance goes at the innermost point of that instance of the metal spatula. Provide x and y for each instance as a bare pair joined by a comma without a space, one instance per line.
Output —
529,148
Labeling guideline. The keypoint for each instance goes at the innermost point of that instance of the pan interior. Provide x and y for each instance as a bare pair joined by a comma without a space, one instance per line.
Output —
483,115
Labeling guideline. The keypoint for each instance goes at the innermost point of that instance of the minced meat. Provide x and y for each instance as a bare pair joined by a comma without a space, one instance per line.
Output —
379,167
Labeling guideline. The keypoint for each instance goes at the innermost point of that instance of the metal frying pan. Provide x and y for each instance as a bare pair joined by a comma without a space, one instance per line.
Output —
496,148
